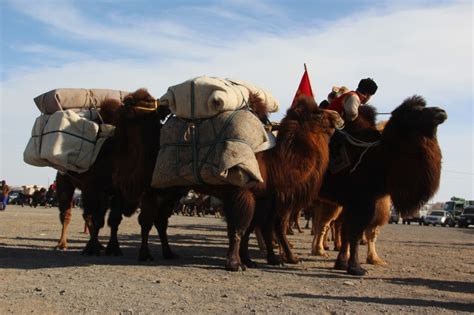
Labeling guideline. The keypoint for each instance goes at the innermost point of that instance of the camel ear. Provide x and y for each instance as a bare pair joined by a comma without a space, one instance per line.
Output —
129,100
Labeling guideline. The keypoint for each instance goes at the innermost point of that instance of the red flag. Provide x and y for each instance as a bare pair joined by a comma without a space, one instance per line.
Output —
304,88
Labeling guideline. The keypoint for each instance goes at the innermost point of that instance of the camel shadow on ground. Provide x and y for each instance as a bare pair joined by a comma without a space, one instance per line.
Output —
201,250
453,306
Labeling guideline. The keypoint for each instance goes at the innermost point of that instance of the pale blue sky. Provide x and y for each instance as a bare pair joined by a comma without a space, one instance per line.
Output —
408,47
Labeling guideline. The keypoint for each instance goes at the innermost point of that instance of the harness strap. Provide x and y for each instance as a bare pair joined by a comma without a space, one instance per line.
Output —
358,143
194,139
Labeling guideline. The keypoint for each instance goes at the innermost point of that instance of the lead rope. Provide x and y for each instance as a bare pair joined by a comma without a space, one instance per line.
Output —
358,143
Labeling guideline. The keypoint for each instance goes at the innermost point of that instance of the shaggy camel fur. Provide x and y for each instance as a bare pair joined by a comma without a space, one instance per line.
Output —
97,195
406,164
301,145
138,126
404,161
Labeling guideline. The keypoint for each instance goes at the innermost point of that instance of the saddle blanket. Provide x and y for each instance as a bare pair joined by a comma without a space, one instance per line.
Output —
215,151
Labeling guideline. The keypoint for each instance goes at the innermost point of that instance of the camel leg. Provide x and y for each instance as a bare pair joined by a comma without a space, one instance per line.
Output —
145,219
358,219
115,217
337,227
260,240
280,229
267,234
95,207
343,256
372,257
65,192
320,232
165,209
297,221
239,211
326,237
65,219
244,253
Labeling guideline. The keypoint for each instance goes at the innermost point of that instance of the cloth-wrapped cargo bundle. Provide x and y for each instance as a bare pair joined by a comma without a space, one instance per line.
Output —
215,151
66,141
67,98
205,97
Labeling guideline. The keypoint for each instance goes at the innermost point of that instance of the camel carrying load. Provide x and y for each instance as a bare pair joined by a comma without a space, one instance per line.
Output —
213,137
69,133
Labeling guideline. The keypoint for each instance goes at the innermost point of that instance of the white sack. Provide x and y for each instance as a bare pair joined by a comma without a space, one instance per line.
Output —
211,96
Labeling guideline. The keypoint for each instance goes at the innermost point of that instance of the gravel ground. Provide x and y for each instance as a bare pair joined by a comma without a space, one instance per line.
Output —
430,271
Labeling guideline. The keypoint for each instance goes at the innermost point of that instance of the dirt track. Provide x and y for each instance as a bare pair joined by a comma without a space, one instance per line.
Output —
431,270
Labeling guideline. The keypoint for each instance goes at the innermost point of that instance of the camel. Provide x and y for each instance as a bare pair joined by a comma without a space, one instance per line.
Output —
404,161
301,145
98,195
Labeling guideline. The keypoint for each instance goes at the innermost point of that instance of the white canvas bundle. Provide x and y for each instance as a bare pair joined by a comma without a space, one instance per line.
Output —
67,98
65,141
205,97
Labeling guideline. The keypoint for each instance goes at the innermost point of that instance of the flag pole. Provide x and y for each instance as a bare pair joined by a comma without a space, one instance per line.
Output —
305,69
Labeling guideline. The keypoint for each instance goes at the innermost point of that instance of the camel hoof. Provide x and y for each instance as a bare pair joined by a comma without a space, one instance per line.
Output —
145,255
341,265
274,261
113,250
92,249
170,255
356,271
249,263
376,262
319,252
234,265
293,260
60,247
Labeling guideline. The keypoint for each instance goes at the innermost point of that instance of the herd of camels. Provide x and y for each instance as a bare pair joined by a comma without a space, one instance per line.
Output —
399,163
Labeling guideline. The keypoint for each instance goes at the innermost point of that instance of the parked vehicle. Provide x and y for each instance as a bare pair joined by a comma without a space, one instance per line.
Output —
455,206
467,217
14,197
418,217
394,216
440,217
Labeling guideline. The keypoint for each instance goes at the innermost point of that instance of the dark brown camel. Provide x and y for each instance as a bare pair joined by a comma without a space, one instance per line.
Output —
404,162
301,146
97,195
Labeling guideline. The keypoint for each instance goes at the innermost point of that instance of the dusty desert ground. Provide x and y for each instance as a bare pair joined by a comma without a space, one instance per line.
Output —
430,271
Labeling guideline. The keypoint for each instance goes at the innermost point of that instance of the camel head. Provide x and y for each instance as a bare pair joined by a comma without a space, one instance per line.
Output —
413,117
412,153
307,117
303,145
108,109
138,125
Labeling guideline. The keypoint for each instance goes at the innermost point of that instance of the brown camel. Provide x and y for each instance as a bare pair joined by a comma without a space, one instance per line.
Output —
301,145
404,161
97,195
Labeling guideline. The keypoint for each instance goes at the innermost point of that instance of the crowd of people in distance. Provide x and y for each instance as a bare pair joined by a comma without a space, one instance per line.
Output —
28,195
